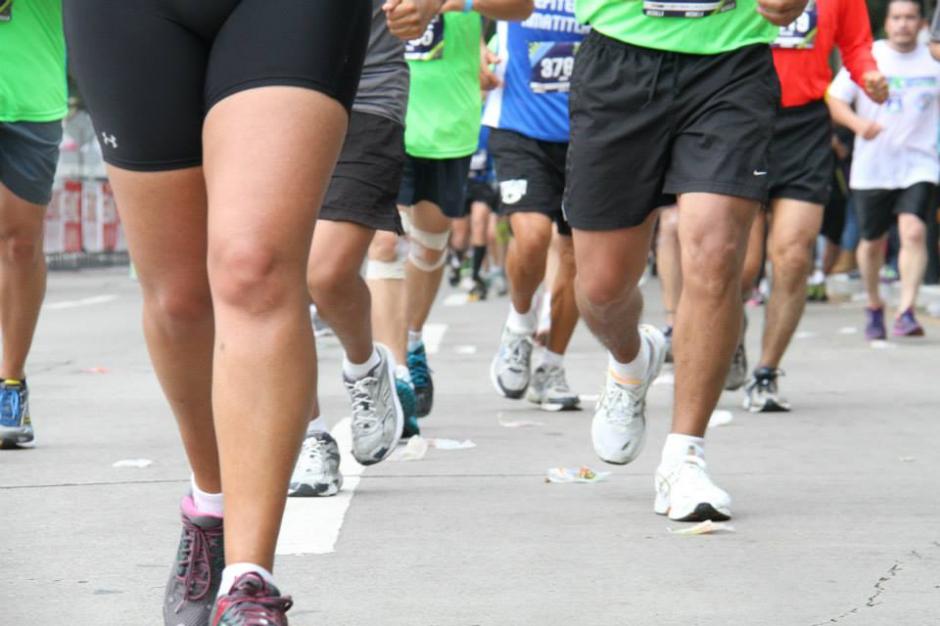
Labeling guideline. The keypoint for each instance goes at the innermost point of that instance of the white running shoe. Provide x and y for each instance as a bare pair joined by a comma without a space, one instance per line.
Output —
619,426
685,493
377,416
549,389
317,471
510,369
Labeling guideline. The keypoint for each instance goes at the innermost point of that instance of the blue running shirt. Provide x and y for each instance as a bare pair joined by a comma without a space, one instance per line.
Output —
537,58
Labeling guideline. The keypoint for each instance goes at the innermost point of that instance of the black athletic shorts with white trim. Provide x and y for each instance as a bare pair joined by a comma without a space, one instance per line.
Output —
440,181
368,174
531,175
877,208
150,70
646,124
801,158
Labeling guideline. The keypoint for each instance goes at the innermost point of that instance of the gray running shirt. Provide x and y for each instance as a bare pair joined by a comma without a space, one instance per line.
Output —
935,26
383,89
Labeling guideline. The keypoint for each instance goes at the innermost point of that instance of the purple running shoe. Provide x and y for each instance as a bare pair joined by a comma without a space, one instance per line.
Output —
197,572
875,327
251,602
906,325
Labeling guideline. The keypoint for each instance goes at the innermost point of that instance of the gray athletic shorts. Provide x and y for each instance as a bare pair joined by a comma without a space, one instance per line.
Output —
29,153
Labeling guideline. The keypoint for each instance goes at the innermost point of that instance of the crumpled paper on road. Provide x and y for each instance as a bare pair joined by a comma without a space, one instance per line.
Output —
582,474
417,447
133,463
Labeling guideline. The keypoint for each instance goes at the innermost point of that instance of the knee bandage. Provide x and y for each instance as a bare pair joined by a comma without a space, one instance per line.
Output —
431,241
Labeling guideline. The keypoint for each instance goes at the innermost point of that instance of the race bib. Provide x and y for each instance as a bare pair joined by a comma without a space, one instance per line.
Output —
6,10
552,64
430,45
801,33
686,8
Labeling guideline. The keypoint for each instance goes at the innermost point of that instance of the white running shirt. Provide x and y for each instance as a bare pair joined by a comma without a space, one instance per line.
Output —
905,152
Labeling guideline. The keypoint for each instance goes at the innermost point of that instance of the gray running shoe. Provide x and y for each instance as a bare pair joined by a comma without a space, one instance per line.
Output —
317,471
737,375
511,367
549,389
761,393
377,416
618,430
197,572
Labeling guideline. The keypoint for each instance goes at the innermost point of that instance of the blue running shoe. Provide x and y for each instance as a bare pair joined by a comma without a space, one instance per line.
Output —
15,424
406,395
421,378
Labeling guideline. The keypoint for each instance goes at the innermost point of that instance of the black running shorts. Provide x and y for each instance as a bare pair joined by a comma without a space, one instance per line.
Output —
877,208
439,181
801,157
646,124
531,175
150,70
368,174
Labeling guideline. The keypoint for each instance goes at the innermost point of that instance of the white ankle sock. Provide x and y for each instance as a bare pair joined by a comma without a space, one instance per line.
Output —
415,339
522,323
403,373
205,502
355,371
631,374
677,447
552,359
233,571
317,425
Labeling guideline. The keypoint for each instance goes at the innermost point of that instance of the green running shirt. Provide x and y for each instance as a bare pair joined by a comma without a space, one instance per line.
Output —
444,104
685,26
33,86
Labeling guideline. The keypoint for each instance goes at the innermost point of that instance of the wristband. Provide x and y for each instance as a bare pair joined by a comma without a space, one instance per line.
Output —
467,6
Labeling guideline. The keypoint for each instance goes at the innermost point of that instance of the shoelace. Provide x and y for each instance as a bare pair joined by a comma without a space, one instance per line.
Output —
196,561
255,605
555,379
692,471
623,406
418,366
314,449
361,392
520,349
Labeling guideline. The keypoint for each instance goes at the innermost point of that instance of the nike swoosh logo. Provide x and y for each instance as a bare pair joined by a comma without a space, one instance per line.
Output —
757,173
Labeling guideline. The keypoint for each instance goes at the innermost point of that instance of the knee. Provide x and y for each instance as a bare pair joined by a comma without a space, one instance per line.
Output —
600,290
179,304
327,282
21,248
711,270
249,276
793,258
914,234
531,247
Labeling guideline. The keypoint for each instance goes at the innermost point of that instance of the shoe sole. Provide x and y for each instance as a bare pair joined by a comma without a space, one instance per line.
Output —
399,413
14,437
703,512
303,490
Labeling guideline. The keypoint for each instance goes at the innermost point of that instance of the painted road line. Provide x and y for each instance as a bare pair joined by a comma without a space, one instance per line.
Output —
312,525
74,304
433,337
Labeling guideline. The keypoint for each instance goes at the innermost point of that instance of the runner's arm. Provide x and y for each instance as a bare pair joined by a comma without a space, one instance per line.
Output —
935,34
854,40
842,92
494,9
408,19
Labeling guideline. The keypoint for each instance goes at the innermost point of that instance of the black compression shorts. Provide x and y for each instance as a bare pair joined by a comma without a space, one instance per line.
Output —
150,70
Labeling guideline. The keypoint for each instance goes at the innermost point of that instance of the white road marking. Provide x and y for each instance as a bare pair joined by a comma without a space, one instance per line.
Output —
312,525
456,299
74,304
466,350
433,336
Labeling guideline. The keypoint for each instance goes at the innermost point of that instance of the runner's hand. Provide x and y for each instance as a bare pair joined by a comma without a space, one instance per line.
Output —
408,19
869,129
452,5
781,12
876,86
488,79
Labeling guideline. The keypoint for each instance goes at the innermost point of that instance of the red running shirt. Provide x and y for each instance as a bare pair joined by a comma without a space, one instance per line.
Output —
802,50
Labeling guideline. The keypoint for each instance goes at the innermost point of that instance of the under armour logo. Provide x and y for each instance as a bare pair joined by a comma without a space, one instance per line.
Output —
109,140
